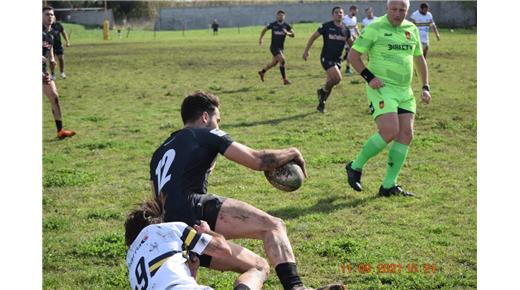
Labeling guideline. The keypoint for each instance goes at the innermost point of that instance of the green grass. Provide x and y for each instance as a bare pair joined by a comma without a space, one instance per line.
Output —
123,97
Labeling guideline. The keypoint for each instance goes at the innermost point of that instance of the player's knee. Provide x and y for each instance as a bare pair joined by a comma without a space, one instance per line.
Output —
406,135
389,133
273,224
54,98
279,224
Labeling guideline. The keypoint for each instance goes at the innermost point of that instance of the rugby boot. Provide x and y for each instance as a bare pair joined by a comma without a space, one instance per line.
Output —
354,177
261,74
395,190
65,133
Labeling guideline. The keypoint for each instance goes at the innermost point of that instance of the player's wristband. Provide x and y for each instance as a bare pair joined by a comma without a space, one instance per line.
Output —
426,88
367,75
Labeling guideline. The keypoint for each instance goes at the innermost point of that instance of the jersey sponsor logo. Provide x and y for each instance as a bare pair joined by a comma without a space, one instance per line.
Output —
381,104
218,132
371,108
407,34
278,32
388,34
337,37
400,47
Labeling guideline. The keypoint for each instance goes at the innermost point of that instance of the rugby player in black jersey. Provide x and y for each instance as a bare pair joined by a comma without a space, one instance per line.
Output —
179,170
279,29
48,85
57,31
335,36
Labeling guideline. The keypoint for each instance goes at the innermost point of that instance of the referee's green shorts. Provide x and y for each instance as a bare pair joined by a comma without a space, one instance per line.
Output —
390,99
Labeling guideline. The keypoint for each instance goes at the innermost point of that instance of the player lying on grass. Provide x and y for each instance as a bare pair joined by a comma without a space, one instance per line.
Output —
165,255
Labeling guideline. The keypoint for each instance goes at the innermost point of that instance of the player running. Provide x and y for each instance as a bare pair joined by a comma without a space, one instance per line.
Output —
179,170
393,45
424,20
48,85
57,31
279,29
335,36
350,21
165,255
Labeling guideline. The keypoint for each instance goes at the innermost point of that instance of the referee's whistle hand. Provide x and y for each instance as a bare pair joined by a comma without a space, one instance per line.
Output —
376,83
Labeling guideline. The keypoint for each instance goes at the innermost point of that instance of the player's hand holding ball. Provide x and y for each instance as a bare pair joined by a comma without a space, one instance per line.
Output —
288,177
300,161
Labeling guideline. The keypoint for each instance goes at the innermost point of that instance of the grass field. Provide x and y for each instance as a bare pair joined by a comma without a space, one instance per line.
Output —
123,98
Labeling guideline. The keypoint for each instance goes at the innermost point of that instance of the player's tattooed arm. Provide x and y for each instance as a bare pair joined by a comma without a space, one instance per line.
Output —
263,160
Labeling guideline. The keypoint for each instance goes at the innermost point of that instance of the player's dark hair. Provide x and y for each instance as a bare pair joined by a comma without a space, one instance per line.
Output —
334,9
280,11
196,104
148,213
353,7
45,8
368,8
424,5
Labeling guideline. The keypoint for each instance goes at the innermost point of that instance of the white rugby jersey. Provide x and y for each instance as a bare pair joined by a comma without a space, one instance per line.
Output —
350,23
423,23
155,259
367,21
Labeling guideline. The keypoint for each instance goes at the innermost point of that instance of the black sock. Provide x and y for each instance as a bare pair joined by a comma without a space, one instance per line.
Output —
288,275
282,71
241,287
59,125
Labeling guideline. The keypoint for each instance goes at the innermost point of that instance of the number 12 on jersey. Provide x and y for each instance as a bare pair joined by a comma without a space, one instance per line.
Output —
162,169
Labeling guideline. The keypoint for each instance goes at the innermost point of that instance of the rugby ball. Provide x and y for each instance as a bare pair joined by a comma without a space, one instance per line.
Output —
288,177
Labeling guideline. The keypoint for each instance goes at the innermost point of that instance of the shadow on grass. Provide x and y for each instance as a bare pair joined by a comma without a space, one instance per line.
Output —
240,90
267,122
324,205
